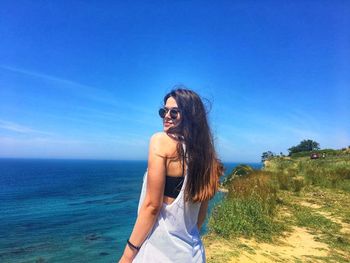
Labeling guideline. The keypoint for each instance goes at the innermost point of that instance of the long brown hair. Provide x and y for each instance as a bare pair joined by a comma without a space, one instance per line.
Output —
203,167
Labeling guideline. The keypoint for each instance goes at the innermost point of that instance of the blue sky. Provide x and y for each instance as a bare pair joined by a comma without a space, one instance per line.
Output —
85,79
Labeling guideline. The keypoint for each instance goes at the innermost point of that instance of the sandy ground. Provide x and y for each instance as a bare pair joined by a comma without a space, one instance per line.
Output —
345,227
299,245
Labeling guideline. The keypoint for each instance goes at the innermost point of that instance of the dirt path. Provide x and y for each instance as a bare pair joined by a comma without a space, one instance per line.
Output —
299,245
345,227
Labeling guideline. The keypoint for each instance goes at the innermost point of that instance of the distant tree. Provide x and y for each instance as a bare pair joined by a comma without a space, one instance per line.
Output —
266,155
304,146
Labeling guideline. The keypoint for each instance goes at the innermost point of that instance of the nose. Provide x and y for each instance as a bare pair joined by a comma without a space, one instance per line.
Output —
167,115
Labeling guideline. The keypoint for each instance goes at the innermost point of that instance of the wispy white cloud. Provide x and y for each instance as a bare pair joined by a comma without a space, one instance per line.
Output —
97,108
18,128
60,147
276,132
15,127
294,123
45,76
91,93
115,116
260,131
36,141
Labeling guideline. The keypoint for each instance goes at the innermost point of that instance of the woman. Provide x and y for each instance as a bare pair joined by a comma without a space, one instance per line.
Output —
182,176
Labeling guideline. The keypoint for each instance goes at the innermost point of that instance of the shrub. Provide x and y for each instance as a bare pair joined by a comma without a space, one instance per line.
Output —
246,217
298,183
248,208
239,170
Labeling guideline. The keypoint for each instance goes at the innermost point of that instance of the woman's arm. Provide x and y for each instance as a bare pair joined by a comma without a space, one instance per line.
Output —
154,196
202,214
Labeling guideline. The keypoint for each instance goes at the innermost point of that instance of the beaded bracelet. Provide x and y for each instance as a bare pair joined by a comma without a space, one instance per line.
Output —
132,245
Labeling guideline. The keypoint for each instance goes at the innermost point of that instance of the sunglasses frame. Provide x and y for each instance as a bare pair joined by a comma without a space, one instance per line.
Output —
173,112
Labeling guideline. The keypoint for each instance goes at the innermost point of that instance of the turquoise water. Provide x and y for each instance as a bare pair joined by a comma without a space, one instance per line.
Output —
69,210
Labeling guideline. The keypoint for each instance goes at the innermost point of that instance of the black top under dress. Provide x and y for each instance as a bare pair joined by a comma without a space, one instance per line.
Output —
173,184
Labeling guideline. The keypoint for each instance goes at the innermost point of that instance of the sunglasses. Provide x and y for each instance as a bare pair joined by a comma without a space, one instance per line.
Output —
174,112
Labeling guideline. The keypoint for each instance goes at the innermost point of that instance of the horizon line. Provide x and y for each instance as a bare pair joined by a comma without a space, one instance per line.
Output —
91,159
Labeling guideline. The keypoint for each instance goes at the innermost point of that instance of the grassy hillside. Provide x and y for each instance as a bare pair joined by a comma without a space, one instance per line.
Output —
294,210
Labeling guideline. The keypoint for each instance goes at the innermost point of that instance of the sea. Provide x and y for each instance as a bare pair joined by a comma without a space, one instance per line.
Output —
70,210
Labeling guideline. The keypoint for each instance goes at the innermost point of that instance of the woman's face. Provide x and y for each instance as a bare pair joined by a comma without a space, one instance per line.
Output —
168,122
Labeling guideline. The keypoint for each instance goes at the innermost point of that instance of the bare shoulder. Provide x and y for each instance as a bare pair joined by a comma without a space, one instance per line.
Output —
162,137
162,144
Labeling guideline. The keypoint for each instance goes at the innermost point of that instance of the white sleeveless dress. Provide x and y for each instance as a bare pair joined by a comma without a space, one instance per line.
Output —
174,236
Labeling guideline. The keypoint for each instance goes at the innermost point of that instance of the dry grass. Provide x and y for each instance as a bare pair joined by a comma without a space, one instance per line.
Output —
296,210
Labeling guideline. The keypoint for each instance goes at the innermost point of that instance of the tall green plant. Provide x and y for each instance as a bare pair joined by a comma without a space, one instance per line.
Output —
248,208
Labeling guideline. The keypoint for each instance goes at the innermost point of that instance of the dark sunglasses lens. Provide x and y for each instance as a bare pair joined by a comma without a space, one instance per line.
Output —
173,114
162,112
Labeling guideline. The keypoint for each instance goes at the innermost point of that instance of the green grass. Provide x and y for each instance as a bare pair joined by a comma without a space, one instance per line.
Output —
327,152
306,217
246,218
263,204
248,209
330,172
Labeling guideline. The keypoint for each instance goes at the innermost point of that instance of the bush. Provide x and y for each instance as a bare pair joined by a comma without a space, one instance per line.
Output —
284,181
239,170
247,217
248,208
298,183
